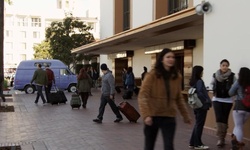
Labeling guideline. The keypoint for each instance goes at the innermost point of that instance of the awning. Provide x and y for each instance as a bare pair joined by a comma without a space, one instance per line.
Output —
183,25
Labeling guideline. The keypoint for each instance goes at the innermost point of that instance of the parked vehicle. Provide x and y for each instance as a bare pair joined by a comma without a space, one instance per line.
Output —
65,79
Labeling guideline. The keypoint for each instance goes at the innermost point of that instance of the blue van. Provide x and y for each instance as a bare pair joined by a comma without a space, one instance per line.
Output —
65,79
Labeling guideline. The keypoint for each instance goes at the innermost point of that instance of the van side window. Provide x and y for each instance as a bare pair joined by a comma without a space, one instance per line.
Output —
64,72
42,63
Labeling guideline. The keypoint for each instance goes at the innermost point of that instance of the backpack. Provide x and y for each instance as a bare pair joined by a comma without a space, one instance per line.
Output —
246,98
193,100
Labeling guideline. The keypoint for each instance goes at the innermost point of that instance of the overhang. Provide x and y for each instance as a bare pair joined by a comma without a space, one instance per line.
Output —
180,26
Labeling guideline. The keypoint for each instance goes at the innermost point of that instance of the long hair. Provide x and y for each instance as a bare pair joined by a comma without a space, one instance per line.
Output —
83,74
129,70
196,75
244,75
159,66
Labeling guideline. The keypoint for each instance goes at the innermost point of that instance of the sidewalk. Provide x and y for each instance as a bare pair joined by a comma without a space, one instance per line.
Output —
61,128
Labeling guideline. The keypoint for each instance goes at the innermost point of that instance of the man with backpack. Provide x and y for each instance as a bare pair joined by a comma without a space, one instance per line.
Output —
51,80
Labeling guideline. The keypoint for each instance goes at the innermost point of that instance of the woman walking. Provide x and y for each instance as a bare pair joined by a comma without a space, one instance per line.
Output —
222,102
159,98
240,112
200,113
84,83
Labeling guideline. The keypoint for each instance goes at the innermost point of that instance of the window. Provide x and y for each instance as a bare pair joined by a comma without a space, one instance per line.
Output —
36,22
64,72
9,57
126,15
66,4
42,63
23,46
22,57
8,33
59,4
92,25
9,21
177,5
36,34
23,34
22,21
8,46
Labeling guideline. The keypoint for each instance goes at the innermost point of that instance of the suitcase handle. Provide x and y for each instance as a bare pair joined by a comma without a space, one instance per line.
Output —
55,87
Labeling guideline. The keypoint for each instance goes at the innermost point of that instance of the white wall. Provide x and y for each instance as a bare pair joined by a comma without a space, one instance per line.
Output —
139,61
106,18
142,12
226,35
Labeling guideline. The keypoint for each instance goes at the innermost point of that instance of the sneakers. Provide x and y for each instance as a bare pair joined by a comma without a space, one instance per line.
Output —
201,147
191,147
118,120
97,120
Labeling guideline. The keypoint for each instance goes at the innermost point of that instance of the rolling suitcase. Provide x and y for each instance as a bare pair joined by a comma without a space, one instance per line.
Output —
129,111
57,97
75,101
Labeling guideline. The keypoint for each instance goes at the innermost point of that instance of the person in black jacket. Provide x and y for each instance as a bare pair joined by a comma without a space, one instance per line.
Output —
200,113
1,88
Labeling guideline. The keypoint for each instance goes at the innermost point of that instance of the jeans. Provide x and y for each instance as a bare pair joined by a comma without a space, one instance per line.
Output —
222,111
39,89
167,126
47,91
104,101
200,118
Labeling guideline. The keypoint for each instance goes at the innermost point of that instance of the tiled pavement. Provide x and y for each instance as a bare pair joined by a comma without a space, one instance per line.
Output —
61,128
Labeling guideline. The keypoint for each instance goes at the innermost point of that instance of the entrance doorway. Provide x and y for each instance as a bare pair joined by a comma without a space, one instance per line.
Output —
120,63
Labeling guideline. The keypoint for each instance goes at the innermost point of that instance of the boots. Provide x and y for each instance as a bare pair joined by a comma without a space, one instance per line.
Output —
221,133
236,145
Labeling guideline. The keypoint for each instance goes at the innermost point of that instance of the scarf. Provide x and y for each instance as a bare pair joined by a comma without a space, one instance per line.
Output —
222,77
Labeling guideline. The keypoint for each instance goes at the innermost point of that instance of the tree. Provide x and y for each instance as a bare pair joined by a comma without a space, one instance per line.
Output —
42,50
67,35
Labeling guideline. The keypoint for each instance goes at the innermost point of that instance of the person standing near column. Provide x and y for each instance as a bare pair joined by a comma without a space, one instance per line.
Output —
108,93
222,103
41,79
1,88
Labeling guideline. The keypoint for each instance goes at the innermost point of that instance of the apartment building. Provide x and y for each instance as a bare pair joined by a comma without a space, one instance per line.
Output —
26,21
133,33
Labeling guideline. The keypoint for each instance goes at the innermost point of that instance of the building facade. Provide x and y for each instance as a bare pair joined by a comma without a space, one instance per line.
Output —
26,21
133,33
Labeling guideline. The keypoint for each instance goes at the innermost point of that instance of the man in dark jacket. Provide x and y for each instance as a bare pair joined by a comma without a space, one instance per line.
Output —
41,79
108,91
51,80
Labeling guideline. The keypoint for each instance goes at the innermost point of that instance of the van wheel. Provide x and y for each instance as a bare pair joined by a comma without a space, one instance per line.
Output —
72,88
29,89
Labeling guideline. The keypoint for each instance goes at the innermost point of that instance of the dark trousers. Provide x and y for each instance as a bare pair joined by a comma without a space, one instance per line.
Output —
2,96
47,91
167,126
39,93
104,101
222,111
200,118
84,97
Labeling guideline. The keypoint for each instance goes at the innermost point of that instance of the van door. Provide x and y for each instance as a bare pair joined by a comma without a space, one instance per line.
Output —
65,78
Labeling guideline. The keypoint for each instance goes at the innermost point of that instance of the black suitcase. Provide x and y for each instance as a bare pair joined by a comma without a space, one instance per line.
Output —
127,95
118,90
57,97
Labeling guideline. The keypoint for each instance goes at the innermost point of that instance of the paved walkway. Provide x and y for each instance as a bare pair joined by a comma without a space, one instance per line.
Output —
61,128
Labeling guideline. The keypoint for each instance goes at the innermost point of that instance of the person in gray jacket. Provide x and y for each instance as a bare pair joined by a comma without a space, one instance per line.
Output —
108,91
